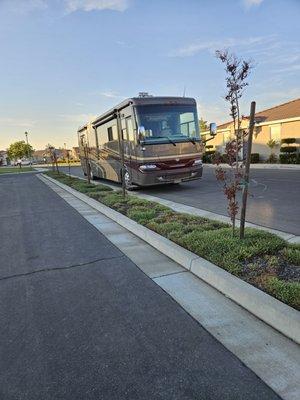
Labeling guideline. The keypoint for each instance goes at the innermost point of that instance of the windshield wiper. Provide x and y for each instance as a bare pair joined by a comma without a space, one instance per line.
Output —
166,137
188,138
191,140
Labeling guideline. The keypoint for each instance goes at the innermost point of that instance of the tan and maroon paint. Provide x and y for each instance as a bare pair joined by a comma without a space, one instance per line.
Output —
173,163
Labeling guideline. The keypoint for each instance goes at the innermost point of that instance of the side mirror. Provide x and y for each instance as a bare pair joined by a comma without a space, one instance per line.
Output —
213,129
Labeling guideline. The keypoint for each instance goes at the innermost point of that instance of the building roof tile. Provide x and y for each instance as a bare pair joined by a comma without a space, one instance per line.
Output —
291,109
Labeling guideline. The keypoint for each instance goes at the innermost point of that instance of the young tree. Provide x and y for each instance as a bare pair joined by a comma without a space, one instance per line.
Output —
203,125
50,151
19,150
272,144
237,71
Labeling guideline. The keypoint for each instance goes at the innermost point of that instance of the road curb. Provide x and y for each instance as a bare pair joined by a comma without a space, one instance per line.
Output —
270,310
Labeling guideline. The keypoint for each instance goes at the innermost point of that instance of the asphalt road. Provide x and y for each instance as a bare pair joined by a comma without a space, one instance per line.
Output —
273,201
80,321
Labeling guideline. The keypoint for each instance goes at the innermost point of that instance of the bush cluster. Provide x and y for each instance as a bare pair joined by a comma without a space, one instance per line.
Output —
254,158
289,154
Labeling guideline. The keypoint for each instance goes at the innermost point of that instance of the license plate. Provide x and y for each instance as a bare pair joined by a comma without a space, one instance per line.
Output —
177,180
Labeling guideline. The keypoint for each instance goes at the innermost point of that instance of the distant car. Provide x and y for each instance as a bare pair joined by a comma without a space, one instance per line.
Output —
22,161
25,162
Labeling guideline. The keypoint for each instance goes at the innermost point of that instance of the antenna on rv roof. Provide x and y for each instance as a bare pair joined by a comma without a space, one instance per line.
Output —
144,94
184,88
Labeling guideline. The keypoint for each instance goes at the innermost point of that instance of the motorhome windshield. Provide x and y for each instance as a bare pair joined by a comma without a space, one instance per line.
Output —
167,123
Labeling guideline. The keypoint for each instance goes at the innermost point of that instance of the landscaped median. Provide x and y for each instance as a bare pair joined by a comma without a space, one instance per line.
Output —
262,260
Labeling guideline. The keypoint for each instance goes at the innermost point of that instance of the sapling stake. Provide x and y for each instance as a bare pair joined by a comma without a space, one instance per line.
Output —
247,171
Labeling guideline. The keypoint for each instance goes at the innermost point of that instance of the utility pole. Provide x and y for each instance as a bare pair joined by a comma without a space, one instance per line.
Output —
247,170
28,156
67,155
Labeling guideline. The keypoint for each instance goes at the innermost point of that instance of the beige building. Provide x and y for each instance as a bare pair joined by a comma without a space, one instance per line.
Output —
277,123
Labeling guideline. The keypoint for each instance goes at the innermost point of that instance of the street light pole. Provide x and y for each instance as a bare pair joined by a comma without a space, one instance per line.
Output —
29,158
67,155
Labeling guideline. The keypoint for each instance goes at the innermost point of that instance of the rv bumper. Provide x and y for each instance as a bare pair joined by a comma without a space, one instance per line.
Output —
158,177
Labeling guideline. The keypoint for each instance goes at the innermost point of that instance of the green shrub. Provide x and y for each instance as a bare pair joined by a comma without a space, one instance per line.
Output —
189,220
288,140
288,149
112,199
97,195
254,158
292,254
208,155
167,228
289,158
221,248
273,159
141,215
100,188
288,292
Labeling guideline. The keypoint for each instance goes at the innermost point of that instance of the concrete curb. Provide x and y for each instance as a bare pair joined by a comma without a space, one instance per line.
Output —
275,313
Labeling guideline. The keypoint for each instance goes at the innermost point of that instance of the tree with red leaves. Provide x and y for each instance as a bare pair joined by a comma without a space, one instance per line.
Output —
237,71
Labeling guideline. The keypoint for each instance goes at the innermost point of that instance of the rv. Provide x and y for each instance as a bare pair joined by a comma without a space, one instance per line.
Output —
145,140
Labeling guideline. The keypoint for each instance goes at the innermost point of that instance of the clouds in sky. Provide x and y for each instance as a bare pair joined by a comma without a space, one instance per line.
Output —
25,6
251,3
111,95
17,123
211,46
96,5
78,119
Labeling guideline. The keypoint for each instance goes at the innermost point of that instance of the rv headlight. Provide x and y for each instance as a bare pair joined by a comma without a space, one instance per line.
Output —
197,162
147,167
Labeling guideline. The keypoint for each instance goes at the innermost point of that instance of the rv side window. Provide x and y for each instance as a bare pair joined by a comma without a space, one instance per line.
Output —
130,130
123,129
112,133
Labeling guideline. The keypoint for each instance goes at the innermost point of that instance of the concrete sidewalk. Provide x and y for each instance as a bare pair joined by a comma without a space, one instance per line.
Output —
81,321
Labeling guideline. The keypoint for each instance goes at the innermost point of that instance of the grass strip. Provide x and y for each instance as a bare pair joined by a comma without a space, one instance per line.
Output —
15,170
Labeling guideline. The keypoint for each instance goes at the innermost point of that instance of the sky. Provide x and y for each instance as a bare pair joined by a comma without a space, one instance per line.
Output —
65,61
